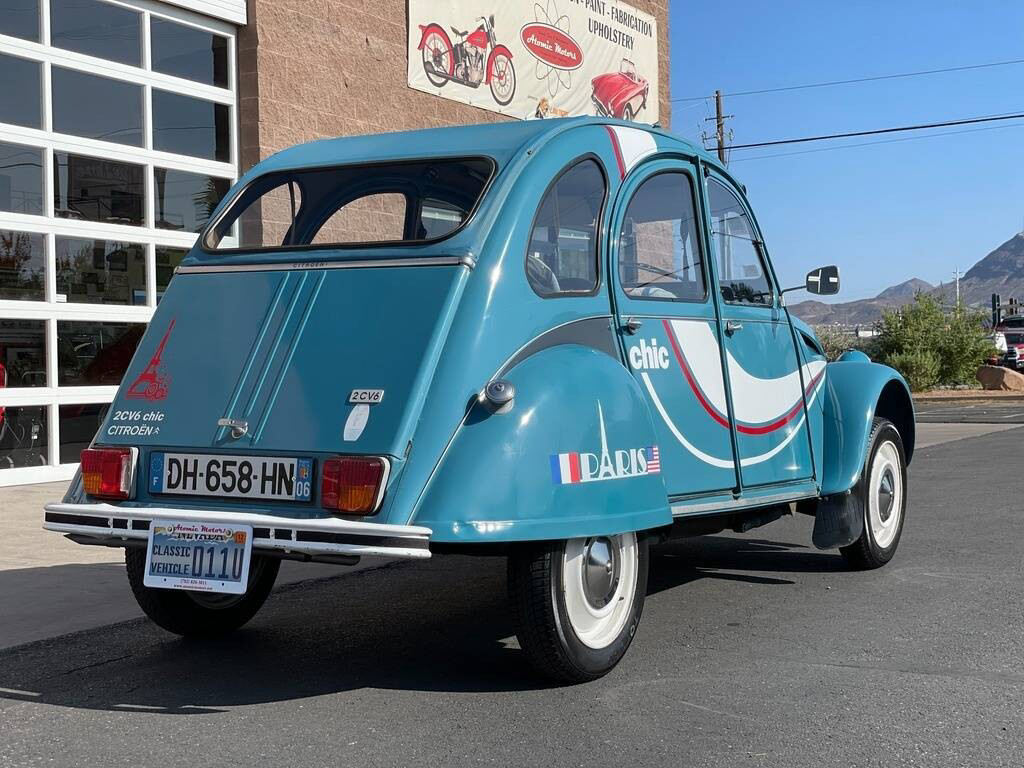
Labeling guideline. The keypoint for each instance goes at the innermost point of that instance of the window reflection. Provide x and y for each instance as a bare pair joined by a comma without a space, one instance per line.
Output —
97,29
20,18
22,353
97,190
22,100
21,178
167,259
78,425
186,200
22,265
188,126
94,354
188,52
24,441
100,271
96,107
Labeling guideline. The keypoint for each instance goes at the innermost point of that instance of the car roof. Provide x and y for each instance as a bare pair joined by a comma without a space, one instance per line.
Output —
501,141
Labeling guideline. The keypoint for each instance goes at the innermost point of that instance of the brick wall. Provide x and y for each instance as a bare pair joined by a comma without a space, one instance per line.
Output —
315,68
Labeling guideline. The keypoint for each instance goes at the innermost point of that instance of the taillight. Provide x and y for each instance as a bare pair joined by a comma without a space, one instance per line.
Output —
353,484
108,473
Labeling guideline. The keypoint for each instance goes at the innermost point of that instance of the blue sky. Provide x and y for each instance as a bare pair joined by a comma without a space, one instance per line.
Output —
883,213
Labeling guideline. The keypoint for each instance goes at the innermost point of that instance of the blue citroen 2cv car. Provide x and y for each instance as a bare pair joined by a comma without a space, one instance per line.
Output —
555,341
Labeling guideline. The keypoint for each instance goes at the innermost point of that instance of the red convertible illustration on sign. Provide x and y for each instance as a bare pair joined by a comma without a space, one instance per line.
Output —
620,94
464,62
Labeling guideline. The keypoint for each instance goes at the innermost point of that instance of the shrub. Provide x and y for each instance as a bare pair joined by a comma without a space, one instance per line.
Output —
931,346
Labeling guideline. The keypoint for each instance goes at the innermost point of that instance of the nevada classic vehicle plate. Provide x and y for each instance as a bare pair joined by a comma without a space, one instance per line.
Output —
244,477
202,557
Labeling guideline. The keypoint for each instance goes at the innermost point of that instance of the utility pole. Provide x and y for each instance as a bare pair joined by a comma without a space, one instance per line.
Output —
720,126
719,118
956,277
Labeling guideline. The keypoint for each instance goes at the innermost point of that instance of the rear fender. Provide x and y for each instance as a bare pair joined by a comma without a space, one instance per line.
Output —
857,391
564,461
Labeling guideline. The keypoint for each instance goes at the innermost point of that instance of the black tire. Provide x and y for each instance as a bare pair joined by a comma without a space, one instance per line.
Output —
877,543
544,629
193,614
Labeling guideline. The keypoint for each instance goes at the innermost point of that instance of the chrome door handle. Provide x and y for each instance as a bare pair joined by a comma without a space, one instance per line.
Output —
731,326
632,325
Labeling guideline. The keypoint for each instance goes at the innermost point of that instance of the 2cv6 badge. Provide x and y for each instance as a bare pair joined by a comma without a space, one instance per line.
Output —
585,349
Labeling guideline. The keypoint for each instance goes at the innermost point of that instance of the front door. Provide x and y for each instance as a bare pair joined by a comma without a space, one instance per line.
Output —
669,327
766,381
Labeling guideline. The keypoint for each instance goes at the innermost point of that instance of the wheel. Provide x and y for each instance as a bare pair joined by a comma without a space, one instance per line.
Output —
883,496
200,614
503,79
627,113
578,603
438,56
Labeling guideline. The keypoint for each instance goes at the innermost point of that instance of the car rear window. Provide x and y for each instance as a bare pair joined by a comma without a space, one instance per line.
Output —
353,205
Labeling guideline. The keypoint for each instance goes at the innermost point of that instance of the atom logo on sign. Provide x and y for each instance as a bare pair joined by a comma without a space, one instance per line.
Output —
549,42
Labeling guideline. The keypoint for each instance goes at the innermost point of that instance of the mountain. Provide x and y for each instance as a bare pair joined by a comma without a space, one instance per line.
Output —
1000,271
862,311
906,290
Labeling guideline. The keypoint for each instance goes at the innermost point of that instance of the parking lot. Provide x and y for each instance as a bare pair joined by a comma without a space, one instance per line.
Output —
753,650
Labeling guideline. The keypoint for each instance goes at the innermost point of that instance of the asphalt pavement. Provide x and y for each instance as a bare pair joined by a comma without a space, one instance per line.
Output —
974,411
754,650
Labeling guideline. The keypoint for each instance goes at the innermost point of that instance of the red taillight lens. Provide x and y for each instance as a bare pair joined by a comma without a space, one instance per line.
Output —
352,484
107,472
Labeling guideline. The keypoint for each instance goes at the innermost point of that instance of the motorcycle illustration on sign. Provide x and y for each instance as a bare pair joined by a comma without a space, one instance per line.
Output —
464,62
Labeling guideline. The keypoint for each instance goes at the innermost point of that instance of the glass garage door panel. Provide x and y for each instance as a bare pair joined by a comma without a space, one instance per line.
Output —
100,271
21,178
22,266
95,353
22,353
78,426
24,440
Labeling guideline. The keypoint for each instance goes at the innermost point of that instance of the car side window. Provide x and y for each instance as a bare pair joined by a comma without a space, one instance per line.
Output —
742,274
561,259
659,251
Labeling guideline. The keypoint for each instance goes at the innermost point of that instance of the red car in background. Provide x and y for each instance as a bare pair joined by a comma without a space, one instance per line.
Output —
620,94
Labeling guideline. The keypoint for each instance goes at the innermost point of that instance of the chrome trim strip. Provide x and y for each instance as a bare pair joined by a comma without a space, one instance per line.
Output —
430,261
742,503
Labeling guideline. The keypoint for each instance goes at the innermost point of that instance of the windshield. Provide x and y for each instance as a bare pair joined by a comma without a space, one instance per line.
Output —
1015,338
399,202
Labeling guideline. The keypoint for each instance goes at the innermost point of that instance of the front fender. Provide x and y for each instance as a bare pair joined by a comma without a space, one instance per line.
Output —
857,391
511,476
490,60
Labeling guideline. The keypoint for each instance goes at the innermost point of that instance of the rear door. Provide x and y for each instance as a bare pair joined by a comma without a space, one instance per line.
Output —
765,378
669,328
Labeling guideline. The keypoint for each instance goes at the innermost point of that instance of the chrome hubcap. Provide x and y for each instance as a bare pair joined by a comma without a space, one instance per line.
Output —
885,495
600,571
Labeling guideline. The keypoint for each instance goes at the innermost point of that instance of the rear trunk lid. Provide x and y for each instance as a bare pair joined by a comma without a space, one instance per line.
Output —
281,351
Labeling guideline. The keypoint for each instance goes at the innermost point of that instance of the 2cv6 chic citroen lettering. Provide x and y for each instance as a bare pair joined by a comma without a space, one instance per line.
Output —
556,341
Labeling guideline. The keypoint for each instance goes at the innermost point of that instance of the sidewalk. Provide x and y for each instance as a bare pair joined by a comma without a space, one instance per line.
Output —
50,586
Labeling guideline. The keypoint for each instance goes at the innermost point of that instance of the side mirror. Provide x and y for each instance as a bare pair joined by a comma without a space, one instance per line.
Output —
823,281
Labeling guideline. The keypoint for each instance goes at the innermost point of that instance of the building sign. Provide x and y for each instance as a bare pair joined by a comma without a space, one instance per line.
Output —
552,58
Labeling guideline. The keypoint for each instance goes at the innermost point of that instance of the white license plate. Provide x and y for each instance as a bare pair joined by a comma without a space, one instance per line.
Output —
202,557
244,477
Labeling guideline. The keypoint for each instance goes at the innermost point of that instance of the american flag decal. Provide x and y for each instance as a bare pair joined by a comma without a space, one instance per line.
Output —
653,459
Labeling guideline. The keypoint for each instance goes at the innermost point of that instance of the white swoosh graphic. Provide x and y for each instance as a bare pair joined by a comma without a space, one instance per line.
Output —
714,460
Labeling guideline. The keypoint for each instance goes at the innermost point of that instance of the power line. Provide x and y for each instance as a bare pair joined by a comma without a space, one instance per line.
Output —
883,141
861,79
878,131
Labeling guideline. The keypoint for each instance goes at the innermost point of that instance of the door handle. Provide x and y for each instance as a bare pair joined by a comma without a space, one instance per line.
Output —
731,326
632,325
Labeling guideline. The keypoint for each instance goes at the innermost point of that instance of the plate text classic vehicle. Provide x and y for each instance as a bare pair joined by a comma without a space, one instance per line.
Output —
553,341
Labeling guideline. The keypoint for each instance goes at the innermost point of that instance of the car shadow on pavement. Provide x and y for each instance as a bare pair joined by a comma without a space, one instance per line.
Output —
442,625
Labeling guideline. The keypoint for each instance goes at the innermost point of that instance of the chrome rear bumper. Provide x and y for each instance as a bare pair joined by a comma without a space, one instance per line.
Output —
303,538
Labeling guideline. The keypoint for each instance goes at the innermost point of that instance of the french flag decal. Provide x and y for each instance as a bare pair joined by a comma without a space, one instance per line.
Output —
565,468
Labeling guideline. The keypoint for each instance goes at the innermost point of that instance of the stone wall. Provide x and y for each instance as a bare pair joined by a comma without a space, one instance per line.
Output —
309,69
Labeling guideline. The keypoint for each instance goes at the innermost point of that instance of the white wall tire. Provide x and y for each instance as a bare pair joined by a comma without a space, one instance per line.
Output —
578,603
882,493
